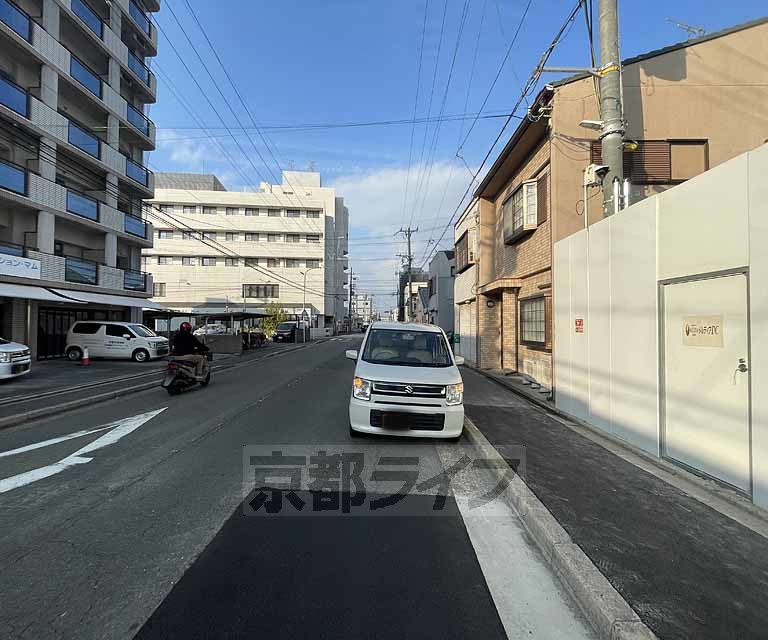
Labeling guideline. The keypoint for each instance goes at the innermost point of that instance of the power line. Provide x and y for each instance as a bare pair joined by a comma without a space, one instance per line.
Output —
528,87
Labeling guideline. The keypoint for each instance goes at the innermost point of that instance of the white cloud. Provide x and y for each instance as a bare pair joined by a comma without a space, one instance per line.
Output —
375,200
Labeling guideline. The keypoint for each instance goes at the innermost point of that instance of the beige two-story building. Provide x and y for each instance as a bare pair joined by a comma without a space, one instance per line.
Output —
688,107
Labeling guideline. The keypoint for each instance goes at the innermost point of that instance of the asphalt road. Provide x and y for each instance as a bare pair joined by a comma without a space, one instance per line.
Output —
142,518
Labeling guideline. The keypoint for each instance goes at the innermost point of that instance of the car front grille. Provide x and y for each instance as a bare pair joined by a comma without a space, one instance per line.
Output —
403,420
18,356
409,390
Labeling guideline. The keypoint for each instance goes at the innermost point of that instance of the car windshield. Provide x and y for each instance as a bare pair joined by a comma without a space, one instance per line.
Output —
141,330
407,348
285,326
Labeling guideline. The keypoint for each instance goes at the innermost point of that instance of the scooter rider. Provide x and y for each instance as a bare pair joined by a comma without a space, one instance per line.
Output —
187,348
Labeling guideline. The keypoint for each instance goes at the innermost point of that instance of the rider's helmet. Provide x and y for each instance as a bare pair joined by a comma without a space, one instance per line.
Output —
185,326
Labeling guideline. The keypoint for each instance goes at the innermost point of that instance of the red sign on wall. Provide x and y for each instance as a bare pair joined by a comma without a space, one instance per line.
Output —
579,325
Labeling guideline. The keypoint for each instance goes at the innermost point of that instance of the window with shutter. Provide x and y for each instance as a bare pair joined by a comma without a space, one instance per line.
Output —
542,197
689,158
650,163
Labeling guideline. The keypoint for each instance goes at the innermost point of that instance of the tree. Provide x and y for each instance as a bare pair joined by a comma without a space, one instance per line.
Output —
275,315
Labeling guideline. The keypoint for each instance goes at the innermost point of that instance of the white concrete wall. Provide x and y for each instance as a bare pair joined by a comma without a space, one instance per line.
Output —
608,276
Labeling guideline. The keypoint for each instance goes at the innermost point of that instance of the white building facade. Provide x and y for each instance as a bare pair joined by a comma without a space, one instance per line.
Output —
228,250
74,84
465,284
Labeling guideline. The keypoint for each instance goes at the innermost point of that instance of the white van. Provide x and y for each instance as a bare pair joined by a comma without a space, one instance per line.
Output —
115,340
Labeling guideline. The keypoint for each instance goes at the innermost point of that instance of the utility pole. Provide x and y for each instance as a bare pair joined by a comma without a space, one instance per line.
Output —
408,232
612,130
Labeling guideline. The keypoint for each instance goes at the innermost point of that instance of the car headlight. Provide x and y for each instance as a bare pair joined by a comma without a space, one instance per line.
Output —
5,357
361,389
454,393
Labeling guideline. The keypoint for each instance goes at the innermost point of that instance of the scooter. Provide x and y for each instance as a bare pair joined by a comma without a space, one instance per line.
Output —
180,375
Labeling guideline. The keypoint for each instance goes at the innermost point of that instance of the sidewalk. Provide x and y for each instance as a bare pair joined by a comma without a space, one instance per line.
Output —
687,570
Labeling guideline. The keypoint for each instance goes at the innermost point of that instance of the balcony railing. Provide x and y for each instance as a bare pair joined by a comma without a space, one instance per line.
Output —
13,178
140,17
82,205
136,172
91,19
84,140
135,280
85,76
16,19
81,271
14,97
135,226
138,67
138,119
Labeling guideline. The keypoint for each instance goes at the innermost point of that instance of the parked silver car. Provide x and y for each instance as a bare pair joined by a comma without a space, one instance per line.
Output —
14,359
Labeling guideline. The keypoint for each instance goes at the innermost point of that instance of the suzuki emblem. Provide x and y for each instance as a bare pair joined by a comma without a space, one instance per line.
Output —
408,388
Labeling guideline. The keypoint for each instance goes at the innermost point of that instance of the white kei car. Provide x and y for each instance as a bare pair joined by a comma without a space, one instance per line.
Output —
407,383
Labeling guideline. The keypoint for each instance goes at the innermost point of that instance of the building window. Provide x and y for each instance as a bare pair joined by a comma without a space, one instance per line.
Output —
231,262
233,211
273,262
273,237
261,291
273,213
165,235
158,289
313,238
166,208
208,262
519,212
164,260
533,321
453,271
188,235
188,261
210,210
190,208
251,237
312,263
209,235
292,213
231,237
251,212
291,263
313,214
251,262
292,237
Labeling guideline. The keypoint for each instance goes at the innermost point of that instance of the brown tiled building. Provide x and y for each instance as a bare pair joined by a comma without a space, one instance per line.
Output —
688,108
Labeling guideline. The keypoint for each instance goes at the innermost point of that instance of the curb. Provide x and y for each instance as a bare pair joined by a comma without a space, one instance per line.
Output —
26,416
549,406
607,612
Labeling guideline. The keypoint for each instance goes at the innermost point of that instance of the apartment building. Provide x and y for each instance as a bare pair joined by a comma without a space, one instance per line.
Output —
689,107
362,309
74,84
217,249
442,272
406,300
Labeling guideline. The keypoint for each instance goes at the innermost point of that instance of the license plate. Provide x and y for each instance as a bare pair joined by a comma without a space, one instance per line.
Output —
19,368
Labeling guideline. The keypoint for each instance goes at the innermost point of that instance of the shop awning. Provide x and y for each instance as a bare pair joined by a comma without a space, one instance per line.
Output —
31,293
102,298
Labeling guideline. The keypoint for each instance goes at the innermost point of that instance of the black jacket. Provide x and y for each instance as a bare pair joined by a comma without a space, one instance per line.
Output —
185,344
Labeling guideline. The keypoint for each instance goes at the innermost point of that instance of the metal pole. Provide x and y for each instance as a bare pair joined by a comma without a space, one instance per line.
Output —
612,132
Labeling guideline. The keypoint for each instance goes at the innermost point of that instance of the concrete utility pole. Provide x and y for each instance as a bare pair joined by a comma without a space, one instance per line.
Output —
409,256
612,131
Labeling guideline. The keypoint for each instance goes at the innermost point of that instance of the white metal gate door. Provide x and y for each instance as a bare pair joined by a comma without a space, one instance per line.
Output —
706,377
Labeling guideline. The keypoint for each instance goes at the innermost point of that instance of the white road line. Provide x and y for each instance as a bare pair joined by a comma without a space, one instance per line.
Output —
119,430
48,443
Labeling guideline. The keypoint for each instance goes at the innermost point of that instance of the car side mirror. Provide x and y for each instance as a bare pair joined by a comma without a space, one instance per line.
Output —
127,336
459,360
351,354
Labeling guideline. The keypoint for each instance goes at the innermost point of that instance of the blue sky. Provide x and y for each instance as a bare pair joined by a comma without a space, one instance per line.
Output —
340,61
